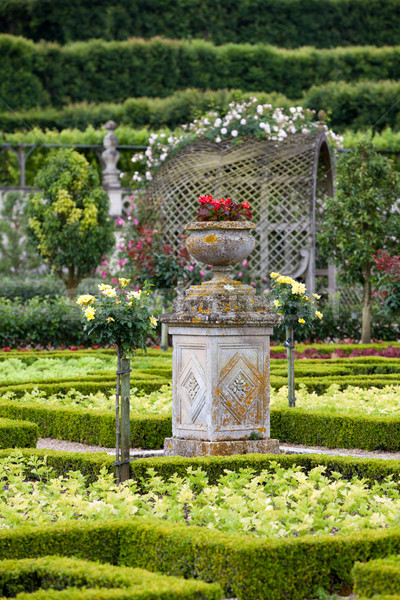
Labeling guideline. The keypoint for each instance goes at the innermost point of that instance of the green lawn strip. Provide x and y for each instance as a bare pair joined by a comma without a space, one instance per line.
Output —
245,566
329,348
380,576
18,434
53,576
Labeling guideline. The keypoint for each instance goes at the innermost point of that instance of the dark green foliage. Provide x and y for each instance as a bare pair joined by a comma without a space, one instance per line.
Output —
359,105
99,71
288,23
25,289
18,434
47,575
40,321
380,576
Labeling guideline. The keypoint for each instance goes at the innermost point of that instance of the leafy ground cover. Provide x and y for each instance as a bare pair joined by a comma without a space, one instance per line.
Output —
275,503
350,401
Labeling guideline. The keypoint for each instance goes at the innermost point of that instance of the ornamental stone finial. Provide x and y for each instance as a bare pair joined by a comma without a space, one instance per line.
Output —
110,156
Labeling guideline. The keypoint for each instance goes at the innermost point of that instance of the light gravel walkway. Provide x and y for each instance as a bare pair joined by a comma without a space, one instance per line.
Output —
52,444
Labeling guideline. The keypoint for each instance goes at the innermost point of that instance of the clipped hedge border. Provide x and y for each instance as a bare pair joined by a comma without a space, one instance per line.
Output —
18,434
54,576
288,425
97,71
89,426
245,567
380,576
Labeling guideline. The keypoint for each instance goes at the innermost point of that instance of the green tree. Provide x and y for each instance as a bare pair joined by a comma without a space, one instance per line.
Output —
17,256
362,219
68,220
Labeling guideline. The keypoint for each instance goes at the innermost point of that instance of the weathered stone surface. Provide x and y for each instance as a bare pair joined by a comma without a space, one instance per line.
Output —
220,373
178,447
220,383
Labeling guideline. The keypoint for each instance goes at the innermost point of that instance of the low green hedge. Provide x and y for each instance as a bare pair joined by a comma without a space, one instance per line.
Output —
47,576
380,576
244,566
89,426
289,425
18,434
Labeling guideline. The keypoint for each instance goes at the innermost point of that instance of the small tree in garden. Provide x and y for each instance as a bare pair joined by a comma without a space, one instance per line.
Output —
120,317
362,219
68,220
290,299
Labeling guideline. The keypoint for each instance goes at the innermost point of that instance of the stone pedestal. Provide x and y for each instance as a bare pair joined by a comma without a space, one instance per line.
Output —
220,373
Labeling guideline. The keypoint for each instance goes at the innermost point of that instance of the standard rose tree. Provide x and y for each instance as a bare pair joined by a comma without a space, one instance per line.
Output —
291,301
121,317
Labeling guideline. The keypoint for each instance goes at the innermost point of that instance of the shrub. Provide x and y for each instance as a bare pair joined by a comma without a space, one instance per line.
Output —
99,71
286,24
18,434
45,577
14,288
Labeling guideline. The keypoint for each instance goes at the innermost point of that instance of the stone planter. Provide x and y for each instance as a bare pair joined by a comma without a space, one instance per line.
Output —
220,244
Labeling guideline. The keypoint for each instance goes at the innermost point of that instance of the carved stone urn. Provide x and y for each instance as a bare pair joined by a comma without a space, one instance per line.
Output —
220,331
220,243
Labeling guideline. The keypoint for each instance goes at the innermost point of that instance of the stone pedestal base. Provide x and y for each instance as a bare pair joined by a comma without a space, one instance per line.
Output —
181,447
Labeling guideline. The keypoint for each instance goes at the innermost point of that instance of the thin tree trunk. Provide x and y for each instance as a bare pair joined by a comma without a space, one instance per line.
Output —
71,283
366,309
125,417
290,363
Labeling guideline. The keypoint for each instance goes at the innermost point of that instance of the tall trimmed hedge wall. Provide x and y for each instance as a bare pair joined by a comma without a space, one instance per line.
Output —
286,23
358,105
46,74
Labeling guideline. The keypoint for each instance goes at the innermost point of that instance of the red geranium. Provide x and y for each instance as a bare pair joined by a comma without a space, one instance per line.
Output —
223,209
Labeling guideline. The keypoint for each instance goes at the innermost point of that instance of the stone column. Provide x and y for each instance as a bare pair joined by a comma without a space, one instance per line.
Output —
110,175
221,380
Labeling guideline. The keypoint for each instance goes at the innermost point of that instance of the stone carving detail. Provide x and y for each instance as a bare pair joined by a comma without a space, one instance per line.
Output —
110,156
241,387
193,392
192,387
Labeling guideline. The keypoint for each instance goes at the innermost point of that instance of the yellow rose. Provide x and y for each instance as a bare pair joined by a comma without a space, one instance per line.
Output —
109,319
317,296
109,292
85,299
123,282
301,321
104,286
319,314
274,275
277,303
153,321
89,313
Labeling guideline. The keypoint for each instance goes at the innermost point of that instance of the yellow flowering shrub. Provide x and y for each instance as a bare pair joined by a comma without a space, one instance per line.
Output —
290,298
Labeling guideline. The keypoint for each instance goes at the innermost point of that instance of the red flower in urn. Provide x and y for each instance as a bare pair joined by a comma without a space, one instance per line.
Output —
223,209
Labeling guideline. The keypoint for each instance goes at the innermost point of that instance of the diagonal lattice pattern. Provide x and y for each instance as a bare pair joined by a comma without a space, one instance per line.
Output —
278,179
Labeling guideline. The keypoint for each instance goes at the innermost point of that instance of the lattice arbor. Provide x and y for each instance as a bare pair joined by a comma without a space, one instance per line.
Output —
279,179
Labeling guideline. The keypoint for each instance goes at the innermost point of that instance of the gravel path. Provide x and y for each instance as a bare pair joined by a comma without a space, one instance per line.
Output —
52,444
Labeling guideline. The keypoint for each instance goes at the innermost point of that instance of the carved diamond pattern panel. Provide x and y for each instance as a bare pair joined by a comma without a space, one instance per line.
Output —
192,392
278,180
241,388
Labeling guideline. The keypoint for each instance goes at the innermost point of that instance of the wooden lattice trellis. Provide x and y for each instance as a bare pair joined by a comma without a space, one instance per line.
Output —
279,179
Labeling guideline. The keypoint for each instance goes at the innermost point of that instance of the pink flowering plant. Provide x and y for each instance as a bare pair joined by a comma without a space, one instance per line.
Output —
214,209
118,316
